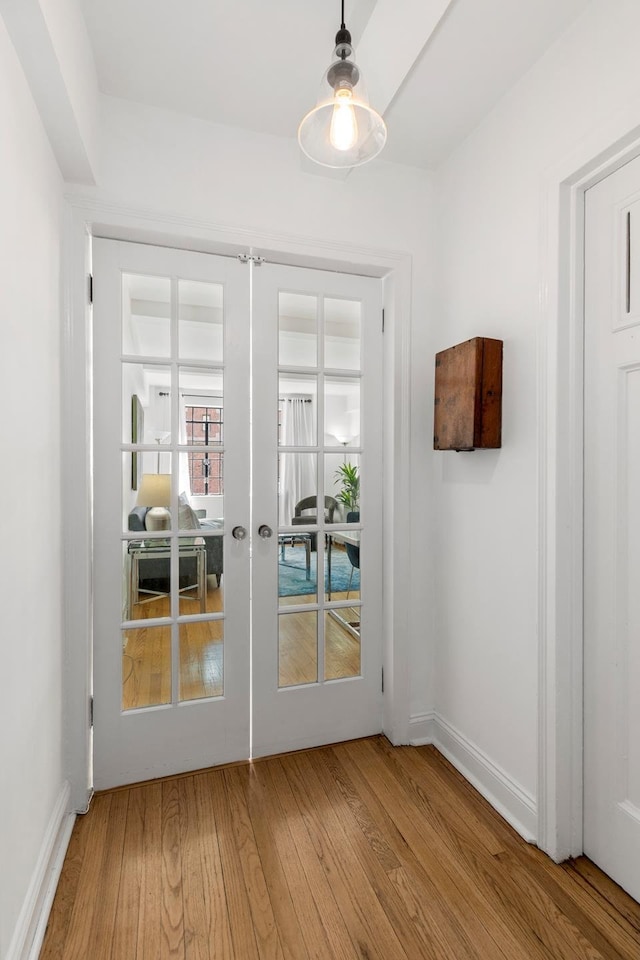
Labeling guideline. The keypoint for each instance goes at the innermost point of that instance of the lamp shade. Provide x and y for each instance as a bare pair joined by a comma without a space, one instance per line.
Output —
155,490
342,130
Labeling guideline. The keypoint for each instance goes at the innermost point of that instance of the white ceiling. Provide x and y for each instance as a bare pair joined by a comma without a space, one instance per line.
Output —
257,64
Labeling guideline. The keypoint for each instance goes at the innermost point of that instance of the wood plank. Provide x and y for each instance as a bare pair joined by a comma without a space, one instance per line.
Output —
197,912
149,936
333,924
484,922
238,907
427,883
353,832
619,905
81,930
172,920
424,931
269,826
359,850
585,905
584,911
528,908
125,935
205,836
62,907
368,925
264,925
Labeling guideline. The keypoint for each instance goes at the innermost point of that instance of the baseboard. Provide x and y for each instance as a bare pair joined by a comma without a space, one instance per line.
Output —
422,729
512,801
32,922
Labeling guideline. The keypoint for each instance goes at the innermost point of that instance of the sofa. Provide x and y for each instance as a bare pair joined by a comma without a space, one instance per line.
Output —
154,573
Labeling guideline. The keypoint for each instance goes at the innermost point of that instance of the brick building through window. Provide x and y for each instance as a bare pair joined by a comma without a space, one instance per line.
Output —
205,427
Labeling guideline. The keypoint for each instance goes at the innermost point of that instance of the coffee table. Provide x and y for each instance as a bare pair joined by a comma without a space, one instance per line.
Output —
161,550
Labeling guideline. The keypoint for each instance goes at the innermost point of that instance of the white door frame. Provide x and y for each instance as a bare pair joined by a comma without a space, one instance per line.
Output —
561,478
87,218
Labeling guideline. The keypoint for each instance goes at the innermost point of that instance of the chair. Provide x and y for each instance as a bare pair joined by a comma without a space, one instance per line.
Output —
311,503
353,552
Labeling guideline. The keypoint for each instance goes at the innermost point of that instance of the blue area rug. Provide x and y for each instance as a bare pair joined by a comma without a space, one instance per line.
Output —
292,575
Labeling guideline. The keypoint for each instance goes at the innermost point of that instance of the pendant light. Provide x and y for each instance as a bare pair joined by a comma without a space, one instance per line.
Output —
342,130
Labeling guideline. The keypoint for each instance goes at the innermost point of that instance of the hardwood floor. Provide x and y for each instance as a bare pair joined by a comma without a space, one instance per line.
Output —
359,851
146,654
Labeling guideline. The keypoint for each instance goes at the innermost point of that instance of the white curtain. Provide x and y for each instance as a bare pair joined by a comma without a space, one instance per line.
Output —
184,480
297,470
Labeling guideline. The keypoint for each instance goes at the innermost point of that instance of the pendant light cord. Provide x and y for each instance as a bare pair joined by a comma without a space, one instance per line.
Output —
342,26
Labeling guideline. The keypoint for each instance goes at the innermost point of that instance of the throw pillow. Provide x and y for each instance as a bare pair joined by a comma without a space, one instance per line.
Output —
187,518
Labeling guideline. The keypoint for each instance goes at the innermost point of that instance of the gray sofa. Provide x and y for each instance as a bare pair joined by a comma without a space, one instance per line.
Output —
154,573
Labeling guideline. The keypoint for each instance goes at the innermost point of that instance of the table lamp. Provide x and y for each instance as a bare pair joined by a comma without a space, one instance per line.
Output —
155,493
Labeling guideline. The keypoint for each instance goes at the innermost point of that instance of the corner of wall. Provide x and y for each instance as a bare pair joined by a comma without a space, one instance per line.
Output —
512,801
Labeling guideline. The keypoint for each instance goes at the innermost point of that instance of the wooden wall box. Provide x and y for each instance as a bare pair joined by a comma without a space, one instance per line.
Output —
468,396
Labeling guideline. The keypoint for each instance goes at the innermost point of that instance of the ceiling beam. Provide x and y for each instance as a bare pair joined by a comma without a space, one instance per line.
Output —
53,47
394,38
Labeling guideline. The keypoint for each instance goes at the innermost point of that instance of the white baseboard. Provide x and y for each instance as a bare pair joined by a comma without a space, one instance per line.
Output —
422,729
32,922
512,801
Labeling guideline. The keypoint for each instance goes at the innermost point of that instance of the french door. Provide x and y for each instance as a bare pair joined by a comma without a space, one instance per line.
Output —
237,510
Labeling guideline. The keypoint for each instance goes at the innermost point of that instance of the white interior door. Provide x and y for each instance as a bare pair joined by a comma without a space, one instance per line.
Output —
211,646
612,527
171,618
317,584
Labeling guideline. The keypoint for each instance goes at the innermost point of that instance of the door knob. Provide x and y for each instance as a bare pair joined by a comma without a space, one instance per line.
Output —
239,533
265,531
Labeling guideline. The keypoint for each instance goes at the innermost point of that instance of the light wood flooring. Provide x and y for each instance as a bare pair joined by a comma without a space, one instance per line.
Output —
146,655
358,851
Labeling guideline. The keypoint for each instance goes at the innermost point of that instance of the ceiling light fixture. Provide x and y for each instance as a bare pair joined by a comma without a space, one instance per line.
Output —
342,130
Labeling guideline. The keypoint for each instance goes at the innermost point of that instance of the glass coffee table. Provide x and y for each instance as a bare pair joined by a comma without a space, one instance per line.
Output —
140,551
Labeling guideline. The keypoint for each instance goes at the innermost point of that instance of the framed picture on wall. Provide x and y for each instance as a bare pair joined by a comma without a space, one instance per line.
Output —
137,436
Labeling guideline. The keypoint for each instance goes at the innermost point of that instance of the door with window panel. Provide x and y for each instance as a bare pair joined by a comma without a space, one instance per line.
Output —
216,637
317,504
171,477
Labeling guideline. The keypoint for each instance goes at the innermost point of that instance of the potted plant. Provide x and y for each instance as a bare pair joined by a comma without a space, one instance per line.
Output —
349,493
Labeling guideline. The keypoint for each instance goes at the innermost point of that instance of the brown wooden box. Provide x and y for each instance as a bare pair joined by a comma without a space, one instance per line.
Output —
468,396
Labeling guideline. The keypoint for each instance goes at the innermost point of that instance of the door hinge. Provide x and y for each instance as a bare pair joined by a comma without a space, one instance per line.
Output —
382,679
383,321
249,258
90,711
90,288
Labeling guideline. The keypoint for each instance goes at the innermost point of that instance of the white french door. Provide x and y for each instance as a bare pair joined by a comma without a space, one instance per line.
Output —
225,395
171,679
316,650
612,527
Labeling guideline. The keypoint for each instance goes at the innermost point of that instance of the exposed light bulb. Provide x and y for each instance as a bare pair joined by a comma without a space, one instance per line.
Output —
343,132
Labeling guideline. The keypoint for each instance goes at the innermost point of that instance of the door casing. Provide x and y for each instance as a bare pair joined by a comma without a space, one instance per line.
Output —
561,479
88,219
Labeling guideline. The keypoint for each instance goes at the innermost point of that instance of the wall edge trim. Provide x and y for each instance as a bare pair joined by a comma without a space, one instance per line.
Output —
34,915
422,729
506,795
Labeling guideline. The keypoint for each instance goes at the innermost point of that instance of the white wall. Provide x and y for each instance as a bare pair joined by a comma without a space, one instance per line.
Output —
30,587
491,235
166,163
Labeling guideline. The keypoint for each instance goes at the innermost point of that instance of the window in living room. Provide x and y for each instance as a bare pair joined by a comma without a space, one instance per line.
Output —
205,426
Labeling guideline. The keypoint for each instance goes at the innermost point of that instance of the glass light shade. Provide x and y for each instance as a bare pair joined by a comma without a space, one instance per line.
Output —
342,130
